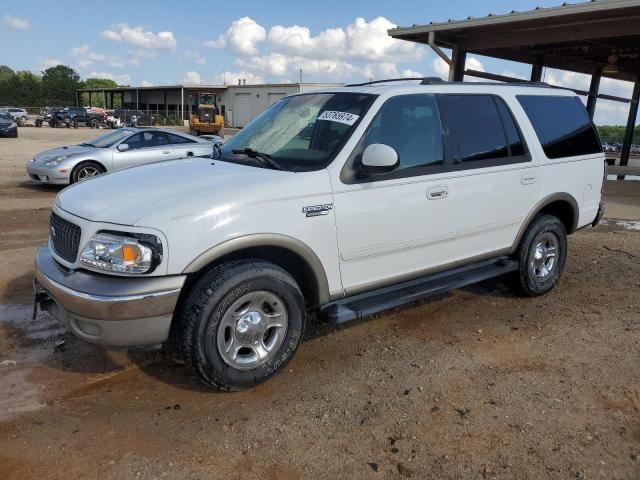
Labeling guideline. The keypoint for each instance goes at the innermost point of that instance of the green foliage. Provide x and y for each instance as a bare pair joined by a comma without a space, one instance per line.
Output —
56,87
19,88
97,99
615,133
59,85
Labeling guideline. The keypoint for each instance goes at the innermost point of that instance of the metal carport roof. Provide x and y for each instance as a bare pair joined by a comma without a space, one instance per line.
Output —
600,38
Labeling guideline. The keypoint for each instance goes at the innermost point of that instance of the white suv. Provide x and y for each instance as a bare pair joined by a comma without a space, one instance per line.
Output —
345,201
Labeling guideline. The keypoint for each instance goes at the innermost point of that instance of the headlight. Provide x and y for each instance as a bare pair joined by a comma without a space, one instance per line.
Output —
122,252
55,161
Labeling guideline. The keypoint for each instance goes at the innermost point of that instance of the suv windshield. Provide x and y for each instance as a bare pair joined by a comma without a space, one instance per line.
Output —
299,133
6,116
110,139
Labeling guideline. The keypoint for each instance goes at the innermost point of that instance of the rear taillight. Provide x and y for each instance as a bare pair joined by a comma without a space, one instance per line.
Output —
604,175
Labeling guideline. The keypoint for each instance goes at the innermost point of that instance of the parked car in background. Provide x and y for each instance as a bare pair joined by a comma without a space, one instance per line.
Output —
20,115
126,147
89,118
217,141
343,202
8,126
129,118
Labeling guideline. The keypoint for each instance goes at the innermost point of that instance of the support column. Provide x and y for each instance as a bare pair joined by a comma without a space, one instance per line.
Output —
90,100
104,99
182,104
536,72
166,107
458,60
631,124
593,91
137,99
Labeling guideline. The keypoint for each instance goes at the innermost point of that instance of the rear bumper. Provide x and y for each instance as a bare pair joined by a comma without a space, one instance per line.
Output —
113,311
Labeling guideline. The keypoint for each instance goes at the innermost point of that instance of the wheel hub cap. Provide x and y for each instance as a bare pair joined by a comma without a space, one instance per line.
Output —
544,256
252,330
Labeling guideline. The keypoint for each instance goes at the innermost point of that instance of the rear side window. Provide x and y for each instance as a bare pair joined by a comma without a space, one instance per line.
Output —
177,139
562,125
480,127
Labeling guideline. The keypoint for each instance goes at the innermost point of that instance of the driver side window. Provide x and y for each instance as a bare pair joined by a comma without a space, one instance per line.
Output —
410,124
146,140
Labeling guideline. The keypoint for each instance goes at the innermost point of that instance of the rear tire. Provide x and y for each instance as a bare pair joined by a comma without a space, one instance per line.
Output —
542,254
240,324
85,171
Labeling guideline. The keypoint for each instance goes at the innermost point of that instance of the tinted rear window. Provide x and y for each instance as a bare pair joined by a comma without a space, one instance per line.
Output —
481,128
562,124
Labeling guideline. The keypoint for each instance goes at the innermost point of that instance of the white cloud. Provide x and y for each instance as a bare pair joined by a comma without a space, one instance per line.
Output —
140,37
191,78
146,83
285,66
219,42
360,40
370,40
194,57
86,57
51,62
441,68
142,53
244,34
121,79
232,78
16,23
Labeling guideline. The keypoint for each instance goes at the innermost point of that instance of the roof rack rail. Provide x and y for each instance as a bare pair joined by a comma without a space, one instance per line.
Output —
404,79
438,80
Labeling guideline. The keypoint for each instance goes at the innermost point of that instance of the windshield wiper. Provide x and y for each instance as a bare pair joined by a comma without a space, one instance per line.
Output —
263,158
87,145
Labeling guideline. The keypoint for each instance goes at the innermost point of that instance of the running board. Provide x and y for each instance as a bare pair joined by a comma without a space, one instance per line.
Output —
375,301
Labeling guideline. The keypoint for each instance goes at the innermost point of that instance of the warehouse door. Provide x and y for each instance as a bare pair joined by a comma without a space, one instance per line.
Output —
274,97
243,109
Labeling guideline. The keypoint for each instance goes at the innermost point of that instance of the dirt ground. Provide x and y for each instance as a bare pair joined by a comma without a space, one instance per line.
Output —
478,383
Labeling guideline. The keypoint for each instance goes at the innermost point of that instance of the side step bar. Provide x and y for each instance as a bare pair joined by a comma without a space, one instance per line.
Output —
375,301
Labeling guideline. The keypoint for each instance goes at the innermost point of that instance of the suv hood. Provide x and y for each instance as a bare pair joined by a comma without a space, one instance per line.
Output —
56,152
126,196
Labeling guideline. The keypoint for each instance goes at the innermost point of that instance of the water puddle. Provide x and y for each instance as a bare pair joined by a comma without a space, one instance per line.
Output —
25,343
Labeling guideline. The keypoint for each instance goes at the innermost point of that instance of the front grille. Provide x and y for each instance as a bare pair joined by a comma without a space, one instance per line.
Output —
65,237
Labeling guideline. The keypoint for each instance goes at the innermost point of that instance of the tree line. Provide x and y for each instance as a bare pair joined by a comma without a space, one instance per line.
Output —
55,86
615,133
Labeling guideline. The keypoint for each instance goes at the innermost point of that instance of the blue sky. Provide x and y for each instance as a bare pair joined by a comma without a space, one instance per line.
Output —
168,42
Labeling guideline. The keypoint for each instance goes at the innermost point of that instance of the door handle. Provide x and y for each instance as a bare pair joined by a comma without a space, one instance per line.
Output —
528,178
438,192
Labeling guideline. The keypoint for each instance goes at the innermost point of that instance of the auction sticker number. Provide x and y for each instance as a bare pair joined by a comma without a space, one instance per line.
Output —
340,117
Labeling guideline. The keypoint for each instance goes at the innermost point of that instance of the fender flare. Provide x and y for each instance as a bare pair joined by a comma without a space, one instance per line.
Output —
560,196
266,240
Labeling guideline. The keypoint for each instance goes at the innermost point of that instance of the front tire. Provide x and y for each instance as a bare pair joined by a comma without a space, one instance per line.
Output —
240,324
542,254
86,170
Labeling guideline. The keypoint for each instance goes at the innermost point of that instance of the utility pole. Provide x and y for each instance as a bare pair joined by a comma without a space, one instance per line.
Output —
300,75
224,75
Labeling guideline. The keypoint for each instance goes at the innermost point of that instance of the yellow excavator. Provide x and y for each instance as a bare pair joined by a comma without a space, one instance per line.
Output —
207,120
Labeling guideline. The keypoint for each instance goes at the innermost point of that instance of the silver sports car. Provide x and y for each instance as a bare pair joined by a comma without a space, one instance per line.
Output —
123,148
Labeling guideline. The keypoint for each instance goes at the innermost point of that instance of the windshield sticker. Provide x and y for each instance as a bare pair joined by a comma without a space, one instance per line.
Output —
341,117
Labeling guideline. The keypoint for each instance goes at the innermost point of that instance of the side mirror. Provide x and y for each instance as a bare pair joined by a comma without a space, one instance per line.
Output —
123,147
379,158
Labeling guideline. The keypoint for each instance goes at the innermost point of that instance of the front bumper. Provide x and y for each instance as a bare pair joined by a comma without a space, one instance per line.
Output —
109,310
9,132
42,174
